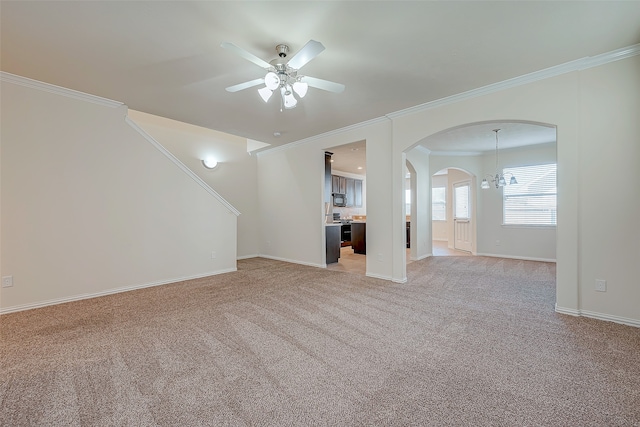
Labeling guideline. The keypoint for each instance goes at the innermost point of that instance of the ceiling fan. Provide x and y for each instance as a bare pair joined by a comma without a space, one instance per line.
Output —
282,75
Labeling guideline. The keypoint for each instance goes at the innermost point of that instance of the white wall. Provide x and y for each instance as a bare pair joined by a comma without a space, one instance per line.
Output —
291,194
609,190
595,111
235,177
418,161
537,243
534,243
90,207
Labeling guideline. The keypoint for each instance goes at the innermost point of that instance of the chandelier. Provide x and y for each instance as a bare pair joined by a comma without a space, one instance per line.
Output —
498,179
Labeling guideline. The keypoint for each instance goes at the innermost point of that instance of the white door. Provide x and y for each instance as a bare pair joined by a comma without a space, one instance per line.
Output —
462,216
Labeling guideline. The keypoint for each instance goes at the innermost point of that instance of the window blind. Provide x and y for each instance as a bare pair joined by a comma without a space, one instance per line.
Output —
533,200
438,204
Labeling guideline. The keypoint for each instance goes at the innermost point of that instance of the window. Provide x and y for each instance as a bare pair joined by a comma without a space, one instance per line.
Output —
461,202
532,201
439,204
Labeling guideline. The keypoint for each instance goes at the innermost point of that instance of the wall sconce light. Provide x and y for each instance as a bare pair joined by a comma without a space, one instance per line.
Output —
210,163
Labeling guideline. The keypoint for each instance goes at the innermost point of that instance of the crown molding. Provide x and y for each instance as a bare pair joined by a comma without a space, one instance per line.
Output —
567,67
58,90
182,166
615,55
323,135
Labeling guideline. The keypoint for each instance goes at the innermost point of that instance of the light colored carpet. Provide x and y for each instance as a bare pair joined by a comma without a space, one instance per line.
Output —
467,341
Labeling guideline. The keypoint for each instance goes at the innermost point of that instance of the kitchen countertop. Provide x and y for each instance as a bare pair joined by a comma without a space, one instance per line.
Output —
332,224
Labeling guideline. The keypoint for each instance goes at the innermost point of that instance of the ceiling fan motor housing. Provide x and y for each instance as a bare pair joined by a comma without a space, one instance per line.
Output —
282,50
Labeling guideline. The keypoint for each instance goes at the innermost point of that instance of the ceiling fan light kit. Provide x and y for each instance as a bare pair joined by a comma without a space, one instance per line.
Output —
283,75
498,179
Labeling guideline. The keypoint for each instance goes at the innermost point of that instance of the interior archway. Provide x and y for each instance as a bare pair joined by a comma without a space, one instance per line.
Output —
445,224
472,148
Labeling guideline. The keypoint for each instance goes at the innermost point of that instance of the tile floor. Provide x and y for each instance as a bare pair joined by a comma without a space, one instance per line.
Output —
355,263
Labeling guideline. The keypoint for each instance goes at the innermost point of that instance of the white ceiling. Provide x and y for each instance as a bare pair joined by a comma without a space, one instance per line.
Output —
350,157
477,138
165,58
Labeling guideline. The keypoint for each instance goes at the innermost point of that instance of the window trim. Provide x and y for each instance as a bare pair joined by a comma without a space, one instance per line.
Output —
509,170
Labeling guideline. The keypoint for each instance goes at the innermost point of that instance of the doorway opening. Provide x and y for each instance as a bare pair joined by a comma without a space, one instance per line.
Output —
345,193
452,213
508,219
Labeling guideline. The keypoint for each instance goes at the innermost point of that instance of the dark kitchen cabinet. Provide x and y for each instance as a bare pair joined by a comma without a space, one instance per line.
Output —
359,237
332,236
345,235
350,187
351,192
357,202
339,184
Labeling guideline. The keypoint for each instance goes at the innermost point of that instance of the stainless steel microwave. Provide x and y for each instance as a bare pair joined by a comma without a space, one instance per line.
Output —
339,199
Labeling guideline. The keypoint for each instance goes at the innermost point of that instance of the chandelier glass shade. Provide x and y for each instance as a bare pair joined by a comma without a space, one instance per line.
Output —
287,85
498,179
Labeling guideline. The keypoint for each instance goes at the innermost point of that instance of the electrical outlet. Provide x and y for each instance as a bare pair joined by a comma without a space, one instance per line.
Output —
7,281
379,257
213,255
497,242
601,285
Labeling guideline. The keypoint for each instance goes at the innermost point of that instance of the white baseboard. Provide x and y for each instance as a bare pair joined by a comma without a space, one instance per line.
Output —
247,256
599,316
56,301
524,258
293,261
379,276
421,257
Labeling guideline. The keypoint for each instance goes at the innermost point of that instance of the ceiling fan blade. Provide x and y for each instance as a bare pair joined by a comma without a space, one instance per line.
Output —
306,54
245,85
323,84
246,55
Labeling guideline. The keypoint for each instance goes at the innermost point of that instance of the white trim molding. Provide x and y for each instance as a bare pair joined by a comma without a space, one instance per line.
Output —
247,256
58,90
421,257
80,297
567,67
380,276
181,165
598,316
292,261
523,258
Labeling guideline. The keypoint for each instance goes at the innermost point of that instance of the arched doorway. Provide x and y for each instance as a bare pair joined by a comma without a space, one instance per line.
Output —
453,219
471,149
